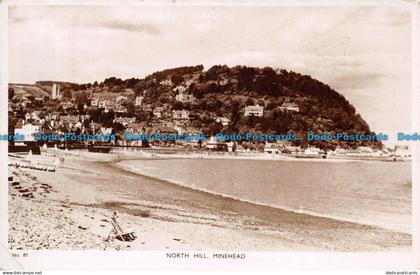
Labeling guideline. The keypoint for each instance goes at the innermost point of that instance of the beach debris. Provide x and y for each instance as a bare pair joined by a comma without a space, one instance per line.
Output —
118,233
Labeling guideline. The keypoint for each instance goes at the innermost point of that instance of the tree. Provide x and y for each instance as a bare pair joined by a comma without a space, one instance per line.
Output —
113,81
234,108
118,127
249,102
246,78
11,93
177,79
80,108
178,105
130,108
82,98
67,94
108,118
131,83
196,92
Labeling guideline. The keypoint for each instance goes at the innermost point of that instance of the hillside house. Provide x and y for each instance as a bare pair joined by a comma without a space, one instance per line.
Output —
125,121
166,82
180,115
139,100
289,107
94,102
223,120
157,112
102,103
180,89
120,99
254,110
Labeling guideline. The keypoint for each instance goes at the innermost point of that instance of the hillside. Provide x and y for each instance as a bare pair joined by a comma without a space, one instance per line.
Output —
26,90
293,103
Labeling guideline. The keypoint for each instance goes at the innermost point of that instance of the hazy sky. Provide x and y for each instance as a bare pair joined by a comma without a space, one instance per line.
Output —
362,52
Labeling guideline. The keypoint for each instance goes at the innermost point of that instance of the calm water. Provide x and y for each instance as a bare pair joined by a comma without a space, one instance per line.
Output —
376,193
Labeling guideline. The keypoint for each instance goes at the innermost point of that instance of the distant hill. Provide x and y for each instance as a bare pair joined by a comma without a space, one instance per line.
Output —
51,82
40,88
30,90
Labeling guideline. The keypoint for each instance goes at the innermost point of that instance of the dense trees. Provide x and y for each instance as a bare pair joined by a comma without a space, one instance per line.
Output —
82,98
67,94
11,93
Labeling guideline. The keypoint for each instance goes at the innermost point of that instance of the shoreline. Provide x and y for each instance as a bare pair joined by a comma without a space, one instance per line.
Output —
158,210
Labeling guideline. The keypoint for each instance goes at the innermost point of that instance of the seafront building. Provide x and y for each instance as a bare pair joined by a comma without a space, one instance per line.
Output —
139,100
28,130
289,107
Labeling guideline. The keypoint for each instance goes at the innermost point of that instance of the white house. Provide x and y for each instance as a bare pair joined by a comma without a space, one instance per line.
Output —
94,102
312,151
223,120
365,150
289,107
102,103
180,89
166,82
211,143
181,115
183,97
139,100
402,151
254,110
28,131
125,120
157,112
189,82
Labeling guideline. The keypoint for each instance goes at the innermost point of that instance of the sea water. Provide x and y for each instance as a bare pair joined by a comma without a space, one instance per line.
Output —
367,192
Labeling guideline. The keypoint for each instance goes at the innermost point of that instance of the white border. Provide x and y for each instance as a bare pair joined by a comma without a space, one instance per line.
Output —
255,260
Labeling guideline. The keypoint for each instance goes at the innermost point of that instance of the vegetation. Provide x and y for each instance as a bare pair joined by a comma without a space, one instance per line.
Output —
222,91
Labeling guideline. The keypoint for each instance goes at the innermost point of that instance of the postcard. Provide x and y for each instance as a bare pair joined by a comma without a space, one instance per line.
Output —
210,135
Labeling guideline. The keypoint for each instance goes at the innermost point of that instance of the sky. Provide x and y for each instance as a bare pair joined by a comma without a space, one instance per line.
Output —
362,52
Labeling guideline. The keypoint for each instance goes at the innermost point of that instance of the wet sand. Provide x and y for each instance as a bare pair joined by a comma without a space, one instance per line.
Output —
82,194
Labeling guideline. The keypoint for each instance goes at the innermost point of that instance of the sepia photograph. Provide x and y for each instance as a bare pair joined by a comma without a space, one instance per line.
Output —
210,130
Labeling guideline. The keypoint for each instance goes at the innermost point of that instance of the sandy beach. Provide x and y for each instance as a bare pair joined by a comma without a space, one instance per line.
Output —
71,209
